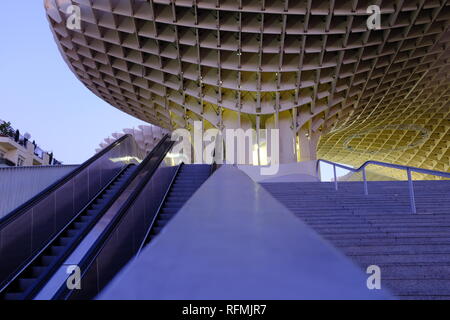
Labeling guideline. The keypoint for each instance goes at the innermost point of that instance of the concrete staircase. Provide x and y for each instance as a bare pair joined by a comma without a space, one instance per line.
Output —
412,250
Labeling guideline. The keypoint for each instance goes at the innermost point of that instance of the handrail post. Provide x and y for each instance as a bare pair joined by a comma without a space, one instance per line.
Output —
412,199
335,178
366,189
318,171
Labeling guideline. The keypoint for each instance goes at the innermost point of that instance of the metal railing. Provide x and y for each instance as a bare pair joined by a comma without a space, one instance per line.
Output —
362,169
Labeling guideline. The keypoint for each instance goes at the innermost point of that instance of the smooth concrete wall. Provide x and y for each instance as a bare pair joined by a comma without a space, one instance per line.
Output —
19,184
233,240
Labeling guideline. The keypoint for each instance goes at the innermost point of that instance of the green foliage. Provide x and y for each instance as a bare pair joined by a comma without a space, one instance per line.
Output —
5,128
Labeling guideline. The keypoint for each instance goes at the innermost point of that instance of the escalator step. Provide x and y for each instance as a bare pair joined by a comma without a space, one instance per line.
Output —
170,211
181,194
26,283
181,191
163,220
176,206
190,181
47,260
57,250
186,183
175,202
189,187
99,200
64,241
161,223
166,216
173,205
156,230
13,296
192,177
79,225
37,271
71,233
85,218
177,199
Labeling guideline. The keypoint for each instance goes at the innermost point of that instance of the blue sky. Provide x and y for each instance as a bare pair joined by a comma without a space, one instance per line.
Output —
39,93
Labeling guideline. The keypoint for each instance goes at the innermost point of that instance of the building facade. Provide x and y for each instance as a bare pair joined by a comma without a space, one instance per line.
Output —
19,150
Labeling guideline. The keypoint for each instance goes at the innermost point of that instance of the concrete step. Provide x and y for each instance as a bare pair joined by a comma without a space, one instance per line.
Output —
412,250
376,249
386,241
414,271
362,224
429,258
339,230
415,287
385,235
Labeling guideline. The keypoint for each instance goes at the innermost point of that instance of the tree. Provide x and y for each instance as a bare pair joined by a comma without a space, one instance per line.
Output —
5,128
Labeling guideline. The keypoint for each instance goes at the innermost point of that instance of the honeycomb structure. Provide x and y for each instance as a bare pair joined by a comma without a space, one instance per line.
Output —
336,89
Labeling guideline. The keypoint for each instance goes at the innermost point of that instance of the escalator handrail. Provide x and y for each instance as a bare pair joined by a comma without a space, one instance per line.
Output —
43,194
5,284
94,251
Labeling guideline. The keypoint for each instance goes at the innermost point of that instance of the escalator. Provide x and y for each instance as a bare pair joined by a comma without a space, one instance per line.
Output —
28,281
28,229
187,180
66,213
111,228
120,240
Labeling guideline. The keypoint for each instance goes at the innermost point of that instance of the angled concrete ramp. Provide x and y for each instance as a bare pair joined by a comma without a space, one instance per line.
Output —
233,240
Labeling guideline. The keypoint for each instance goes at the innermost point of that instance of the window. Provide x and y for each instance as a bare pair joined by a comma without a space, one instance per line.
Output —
20,161
2,155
